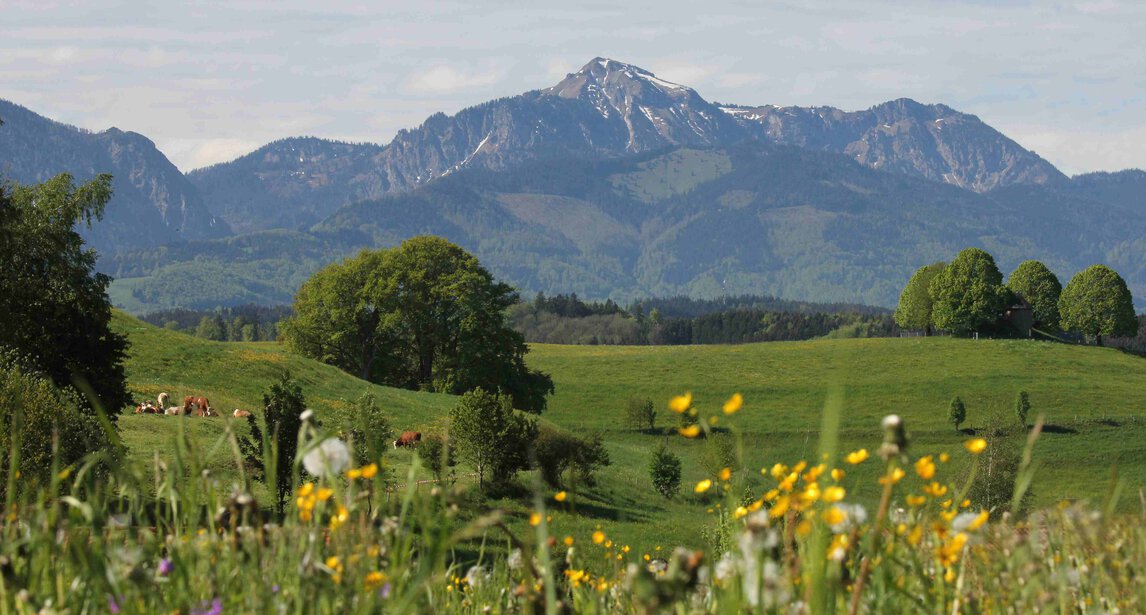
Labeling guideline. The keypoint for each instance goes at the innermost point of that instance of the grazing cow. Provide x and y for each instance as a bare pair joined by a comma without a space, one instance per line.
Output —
174,411
196,405
163,399
146,408
408,439
210,411
241,413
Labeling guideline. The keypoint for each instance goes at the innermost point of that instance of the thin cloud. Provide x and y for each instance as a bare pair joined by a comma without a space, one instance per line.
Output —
445,79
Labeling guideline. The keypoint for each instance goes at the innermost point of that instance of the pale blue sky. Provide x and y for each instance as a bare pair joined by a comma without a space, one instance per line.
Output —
209,81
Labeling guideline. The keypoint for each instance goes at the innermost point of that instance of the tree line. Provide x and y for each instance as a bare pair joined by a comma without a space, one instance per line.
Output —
243,323
968,296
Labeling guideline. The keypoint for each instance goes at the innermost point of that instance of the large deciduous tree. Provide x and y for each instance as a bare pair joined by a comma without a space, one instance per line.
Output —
1096,302
1032,281
54,309
968,293
915,303
422,315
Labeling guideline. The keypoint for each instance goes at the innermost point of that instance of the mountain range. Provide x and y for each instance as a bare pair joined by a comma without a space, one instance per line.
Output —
611,183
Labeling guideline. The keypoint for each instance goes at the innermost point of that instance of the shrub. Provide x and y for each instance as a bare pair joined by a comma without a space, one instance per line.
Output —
369,430
957,413
33,412
284,406
558,452
490,436
438,454
664,470
640,414
719,453
1023,408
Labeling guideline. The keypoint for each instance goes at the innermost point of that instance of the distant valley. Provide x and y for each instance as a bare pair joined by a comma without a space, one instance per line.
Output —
612,183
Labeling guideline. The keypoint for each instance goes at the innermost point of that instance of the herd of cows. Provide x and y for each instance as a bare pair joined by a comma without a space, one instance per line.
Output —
201,406
192,406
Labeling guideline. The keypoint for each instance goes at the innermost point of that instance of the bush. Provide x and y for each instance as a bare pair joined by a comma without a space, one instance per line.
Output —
438,454
957,413
640,414
368,429
1022,408
33,412
490,436
284,406
558,452
664,470
719,453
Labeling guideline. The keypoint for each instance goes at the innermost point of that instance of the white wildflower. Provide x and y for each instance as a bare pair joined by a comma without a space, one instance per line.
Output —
330,457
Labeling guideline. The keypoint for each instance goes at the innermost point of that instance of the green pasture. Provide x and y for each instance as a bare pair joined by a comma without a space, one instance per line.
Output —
1094,400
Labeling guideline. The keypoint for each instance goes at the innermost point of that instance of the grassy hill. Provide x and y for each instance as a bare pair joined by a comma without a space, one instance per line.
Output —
1094,399
235,375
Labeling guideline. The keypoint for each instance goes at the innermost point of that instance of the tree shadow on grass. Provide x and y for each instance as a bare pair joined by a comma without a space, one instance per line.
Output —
1059,429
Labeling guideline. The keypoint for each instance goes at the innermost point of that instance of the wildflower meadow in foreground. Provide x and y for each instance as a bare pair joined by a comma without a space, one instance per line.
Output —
796,538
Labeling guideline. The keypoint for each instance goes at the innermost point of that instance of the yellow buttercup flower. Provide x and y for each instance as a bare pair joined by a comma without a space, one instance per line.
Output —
837,474
780,507
370,471
535,519
740,512
306,489
935,490
726,474
833,494
979,521
976,446
560,496
324,493
925,467
691,431
703,486
354,473
733,404
681,403
834,515
892,477
778,471
568,541
598,537
857,457
916,500
373,580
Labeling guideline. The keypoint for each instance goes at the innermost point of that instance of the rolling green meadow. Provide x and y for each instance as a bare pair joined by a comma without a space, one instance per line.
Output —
1094,401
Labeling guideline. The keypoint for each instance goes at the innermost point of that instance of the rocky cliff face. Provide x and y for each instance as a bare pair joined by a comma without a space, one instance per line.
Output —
153,202
902,136
605,109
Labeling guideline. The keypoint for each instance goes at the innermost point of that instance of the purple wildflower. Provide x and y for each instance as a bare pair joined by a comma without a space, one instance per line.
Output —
216,608
112,605
384,593
165,567
275,588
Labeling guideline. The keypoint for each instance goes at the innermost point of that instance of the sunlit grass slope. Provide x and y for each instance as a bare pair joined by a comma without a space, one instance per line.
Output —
1094,400
236,375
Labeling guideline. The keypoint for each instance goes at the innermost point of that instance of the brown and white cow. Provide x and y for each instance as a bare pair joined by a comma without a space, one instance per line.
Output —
240,413
163,398
174,411
196,405
408,439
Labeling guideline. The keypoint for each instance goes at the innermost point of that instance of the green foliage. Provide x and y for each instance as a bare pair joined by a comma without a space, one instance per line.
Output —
915,302
664,470
994,485
968,294
640,415
1035,283
369,429
438,454
212,328
957,413
490,436
423,315
1096,302
42,425
283,406
719,453
54,306
559,452
1022,408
